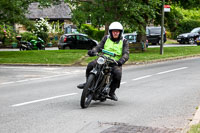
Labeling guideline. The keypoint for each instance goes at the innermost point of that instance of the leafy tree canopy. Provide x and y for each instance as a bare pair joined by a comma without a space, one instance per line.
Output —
133,14
186,4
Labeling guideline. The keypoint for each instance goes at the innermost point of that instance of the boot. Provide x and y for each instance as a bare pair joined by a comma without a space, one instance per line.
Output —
81,86
112,94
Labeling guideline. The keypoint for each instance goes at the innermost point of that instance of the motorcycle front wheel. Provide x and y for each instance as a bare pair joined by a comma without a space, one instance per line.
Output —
87,95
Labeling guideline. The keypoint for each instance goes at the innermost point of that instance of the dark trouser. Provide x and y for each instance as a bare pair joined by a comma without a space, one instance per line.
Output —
116,71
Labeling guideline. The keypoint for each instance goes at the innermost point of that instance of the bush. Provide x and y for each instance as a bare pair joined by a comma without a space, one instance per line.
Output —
92,32
187,25
7,35
168,34
43,36
27,36
180,20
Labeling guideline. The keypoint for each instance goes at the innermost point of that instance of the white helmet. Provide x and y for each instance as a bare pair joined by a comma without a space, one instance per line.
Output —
115,26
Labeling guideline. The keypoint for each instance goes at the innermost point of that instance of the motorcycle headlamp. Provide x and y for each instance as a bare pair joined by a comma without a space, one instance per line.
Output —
101,60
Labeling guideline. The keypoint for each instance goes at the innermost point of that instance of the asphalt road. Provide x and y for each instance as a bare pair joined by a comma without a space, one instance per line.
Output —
160,96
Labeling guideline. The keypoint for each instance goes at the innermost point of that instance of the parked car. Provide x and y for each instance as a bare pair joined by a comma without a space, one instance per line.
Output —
132,38
154,35
76,41
189,37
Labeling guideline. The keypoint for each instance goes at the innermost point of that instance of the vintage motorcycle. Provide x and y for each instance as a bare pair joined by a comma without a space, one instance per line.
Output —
99,80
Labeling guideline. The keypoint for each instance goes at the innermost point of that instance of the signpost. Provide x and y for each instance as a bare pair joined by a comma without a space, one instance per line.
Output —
165,8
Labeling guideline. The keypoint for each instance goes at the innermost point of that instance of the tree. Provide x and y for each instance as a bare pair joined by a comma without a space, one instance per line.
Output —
186,4
133,14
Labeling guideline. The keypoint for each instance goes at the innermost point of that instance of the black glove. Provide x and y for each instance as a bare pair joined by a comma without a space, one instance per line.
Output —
91,53
119,63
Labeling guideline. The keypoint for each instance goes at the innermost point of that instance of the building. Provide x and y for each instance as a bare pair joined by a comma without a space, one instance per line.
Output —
61,12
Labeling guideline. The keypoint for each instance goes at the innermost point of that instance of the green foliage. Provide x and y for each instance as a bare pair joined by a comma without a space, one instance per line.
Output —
194,129
92,32
133,14
187,25
56,27
28,36
7,34
41,29
180,20
186,4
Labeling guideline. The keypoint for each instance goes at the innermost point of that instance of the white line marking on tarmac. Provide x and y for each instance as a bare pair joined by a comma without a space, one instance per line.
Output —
7,83
32,79
123,83
40,100
172,70
147,76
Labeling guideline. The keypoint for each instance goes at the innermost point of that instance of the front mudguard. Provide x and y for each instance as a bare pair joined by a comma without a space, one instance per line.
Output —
94,71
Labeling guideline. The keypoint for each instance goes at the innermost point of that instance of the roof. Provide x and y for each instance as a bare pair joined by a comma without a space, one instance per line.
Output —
75,34
134,33
61,11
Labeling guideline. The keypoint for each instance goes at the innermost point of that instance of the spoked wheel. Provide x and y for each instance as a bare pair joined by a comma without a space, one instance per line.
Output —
87,95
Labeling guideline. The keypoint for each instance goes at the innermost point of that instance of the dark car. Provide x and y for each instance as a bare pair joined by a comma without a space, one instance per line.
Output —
189,37
76,41
154,35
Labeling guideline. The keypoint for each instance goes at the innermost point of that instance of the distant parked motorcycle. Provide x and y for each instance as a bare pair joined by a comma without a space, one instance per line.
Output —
38,44
24,45
32,45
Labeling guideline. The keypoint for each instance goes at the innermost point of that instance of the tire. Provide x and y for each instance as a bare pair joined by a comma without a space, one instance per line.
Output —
22,48
87,95
66,47
191,41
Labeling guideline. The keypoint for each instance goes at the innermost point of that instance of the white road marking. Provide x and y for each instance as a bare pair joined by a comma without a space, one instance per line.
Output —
123,83
172,70
40,100
25,80
7,83
147,76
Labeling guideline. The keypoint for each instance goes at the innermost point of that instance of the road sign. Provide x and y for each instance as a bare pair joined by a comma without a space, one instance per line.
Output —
166,8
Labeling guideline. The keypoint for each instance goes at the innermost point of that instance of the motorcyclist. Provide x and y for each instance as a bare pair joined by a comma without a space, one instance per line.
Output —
113,42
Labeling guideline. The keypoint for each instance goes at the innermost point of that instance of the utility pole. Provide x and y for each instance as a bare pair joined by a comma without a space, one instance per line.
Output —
162,29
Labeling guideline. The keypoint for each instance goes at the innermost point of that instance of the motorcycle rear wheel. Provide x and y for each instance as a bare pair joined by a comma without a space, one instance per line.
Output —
87,95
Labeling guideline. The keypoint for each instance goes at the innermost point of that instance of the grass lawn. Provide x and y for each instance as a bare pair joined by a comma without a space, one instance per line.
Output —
194,129
169,52
170,41
42,56
69,57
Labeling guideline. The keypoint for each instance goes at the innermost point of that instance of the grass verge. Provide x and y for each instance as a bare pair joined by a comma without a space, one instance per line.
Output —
194,129
170,41
71,57
42,57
